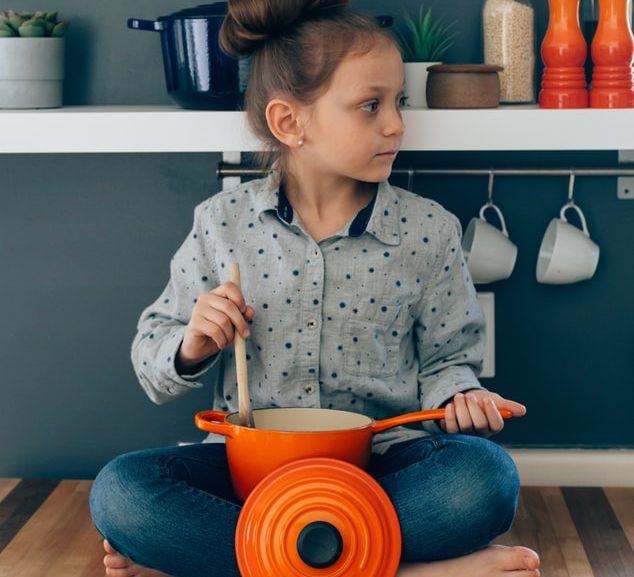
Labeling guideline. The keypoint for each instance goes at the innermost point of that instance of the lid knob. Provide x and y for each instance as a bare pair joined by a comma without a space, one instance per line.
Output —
319,544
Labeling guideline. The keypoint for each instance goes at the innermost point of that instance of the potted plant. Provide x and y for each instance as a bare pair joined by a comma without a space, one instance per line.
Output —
31,59
423,41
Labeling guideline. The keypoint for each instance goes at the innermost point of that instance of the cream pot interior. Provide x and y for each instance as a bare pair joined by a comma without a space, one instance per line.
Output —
304,420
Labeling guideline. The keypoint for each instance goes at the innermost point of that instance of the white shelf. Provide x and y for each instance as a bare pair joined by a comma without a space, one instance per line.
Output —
75,129
519,128
122,129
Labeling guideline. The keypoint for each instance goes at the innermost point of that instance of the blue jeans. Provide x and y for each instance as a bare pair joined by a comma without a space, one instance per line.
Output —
174,509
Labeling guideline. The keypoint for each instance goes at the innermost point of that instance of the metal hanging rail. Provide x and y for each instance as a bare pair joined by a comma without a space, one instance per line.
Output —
226,169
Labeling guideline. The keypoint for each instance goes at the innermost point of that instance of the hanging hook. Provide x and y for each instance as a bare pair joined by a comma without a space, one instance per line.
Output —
571,188
490,188
410,178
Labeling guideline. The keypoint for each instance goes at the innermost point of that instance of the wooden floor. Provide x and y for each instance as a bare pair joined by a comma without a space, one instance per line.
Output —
45,530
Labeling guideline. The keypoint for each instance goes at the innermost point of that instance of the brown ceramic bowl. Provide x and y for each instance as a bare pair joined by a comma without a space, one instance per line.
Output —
463,86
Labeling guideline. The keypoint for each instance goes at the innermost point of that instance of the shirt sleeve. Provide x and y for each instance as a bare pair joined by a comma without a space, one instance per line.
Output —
162,325
450,332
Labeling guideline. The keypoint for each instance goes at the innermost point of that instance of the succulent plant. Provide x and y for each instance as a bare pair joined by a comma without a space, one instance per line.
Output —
31,24
424,39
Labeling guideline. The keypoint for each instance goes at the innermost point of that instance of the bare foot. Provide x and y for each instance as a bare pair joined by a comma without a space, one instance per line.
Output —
120,566
494,561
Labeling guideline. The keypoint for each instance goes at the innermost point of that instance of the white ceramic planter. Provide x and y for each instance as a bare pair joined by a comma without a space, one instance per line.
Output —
31,72
416,83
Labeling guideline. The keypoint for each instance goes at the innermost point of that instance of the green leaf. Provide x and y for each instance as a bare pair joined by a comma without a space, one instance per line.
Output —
48,25
60,29
6,30
425,39
426,25
14,19
32,30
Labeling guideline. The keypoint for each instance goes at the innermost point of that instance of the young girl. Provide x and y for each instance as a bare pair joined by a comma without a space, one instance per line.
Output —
355,296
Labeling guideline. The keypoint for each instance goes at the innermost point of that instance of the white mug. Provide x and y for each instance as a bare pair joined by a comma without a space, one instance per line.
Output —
567,253
489,252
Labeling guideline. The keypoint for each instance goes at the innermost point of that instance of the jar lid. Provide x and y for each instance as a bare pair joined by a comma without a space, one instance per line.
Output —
477,68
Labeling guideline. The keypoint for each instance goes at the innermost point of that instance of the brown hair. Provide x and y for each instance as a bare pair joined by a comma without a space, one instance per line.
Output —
295,47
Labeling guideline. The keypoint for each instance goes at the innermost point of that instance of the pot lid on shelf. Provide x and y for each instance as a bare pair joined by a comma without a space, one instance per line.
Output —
200,11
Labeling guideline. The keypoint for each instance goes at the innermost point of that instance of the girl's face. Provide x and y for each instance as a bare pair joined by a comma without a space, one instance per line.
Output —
354,130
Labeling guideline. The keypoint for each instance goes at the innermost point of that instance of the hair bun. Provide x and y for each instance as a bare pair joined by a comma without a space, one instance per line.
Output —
250,23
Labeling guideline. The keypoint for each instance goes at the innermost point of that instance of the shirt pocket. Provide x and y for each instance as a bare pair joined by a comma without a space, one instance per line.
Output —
372,342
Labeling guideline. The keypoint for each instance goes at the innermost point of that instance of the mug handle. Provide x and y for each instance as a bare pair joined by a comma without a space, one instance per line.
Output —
582,218
498,212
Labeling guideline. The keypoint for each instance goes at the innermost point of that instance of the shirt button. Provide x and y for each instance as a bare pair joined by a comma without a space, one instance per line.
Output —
310,389
311,324
315,253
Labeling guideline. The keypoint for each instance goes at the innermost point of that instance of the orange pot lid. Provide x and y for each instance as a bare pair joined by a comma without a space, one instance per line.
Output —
318,517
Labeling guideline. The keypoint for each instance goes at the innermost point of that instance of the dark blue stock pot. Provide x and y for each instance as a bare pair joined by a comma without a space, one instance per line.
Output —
198,74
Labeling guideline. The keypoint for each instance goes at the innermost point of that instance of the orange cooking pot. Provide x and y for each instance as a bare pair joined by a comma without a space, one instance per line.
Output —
284,435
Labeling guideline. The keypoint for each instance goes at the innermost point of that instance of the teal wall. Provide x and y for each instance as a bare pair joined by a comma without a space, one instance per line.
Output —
85,243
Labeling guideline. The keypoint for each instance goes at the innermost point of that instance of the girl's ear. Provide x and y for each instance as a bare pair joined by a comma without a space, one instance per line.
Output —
282,118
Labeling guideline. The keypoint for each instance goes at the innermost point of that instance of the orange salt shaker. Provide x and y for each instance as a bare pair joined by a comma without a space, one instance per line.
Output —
612,54
564,53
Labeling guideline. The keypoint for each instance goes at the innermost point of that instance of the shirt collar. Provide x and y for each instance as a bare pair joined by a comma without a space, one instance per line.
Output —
357,226
381,218
266,197
385,222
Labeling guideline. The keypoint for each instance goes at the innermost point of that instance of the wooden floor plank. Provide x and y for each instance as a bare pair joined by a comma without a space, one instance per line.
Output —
534,528
20,504
6,486
568,540
57,541
622,502
608,549
544,524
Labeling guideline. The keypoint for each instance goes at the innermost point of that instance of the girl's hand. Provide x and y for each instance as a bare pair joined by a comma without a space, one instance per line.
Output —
477,412
216,317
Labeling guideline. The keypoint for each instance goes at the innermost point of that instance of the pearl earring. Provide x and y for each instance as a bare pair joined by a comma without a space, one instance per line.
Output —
300,142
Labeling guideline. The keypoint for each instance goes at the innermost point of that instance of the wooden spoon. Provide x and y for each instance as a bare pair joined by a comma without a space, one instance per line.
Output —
244,402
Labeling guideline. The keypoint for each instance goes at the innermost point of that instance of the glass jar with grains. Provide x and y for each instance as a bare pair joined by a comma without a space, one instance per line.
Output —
508,28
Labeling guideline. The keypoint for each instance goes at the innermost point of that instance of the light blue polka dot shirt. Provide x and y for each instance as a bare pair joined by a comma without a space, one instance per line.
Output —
380,319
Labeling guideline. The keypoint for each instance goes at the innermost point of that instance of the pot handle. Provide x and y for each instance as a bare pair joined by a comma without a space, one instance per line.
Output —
151,25
385,21
214,422
417,416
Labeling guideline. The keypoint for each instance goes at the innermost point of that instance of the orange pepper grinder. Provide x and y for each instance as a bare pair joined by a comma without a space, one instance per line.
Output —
564,52
612,54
